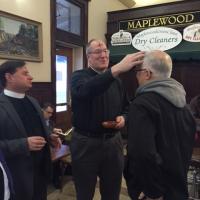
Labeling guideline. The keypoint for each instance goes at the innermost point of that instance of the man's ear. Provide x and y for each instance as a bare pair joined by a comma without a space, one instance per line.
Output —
8,77
148,74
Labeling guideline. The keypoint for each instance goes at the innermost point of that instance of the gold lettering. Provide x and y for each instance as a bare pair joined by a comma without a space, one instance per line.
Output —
179,19
145,22
156,22
189,18
172,20
160,21
163,20
138,24
131,25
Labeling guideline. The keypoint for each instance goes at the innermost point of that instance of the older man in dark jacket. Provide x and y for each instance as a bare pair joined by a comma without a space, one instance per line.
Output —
160,133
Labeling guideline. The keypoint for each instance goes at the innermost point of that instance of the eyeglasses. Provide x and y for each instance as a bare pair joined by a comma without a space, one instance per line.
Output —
99,51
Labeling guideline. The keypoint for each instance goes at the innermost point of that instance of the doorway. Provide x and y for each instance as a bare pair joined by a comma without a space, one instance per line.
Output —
64,57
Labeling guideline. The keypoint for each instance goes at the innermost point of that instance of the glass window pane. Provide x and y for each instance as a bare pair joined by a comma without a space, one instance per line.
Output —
68,17
61,79
61,108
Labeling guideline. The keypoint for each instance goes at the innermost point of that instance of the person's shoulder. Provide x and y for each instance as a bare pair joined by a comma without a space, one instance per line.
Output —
3,98
81,74
81,71
146,98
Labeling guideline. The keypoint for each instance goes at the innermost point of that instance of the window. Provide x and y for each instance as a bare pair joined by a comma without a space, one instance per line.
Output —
68,17
61,83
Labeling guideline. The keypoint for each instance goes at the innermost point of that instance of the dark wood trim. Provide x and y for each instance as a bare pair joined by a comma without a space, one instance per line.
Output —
53,50
148,11
70,38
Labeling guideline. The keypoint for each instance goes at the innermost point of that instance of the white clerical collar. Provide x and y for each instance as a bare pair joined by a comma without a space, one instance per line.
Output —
13,94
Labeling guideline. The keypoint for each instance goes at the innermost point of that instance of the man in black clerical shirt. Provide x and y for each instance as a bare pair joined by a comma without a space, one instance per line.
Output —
99,111
23,135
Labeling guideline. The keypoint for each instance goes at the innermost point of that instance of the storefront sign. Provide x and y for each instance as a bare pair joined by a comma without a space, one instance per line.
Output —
180,19
192,33
121,38
158,38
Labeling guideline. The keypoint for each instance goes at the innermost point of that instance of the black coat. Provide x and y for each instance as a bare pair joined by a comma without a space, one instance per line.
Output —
160,143
13,143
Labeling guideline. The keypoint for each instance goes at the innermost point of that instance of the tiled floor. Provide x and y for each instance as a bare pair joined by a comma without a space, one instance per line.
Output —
68,192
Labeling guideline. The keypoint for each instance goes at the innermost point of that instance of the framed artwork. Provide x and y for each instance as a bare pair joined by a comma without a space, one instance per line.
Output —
20,38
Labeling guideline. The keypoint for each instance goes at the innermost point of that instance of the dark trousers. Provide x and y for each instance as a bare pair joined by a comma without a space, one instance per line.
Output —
97,157
40,187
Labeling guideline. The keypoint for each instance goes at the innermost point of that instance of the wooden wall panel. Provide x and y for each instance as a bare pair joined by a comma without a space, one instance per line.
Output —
43,92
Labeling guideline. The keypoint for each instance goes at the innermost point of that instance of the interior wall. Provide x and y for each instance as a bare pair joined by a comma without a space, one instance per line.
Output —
36,10
140,3
97,16
77,58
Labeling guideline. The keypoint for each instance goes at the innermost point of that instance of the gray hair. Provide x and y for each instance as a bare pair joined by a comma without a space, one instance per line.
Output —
159,63
88,45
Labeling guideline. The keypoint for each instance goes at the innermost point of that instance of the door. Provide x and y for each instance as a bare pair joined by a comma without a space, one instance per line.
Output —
63,77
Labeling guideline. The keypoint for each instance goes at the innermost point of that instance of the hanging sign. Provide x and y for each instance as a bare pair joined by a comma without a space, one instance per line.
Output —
157,38
121,38
178,19
192,33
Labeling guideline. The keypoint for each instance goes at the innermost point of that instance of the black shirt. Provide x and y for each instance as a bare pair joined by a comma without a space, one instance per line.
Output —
32,124
96,98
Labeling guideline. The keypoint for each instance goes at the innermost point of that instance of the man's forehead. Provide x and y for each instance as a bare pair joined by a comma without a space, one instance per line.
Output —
98,44
23,68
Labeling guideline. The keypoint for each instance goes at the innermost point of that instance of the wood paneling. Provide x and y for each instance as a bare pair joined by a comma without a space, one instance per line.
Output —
42,91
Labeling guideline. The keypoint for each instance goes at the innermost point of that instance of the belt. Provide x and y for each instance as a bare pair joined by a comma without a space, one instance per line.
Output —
105,135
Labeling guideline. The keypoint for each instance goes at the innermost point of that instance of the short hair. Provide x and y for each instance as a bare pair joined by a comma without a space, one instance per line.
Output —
87,48
9,67
88,45
45,105
159,63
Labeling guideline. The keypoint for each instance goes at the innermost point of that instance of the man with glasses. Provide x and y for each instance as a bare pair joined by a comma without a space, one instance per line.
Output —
99,112
160,133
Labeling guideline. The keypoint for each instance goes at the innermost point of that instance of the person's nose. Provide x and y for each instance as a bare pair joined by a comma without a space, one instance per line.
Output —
30,77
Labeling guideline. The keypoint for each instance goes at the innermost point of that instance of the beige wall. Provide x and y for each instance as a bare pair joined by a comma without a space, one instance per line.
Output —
98,16
140,3
77,58
38,10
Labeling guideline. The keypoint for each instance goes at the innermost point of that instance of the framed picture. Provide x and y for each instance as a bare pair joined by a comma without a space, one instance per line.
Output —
20,38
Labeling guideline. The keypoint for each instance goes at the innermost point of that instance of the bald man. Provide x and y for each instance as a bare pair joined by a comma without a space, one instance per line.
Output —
99,112
160,133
